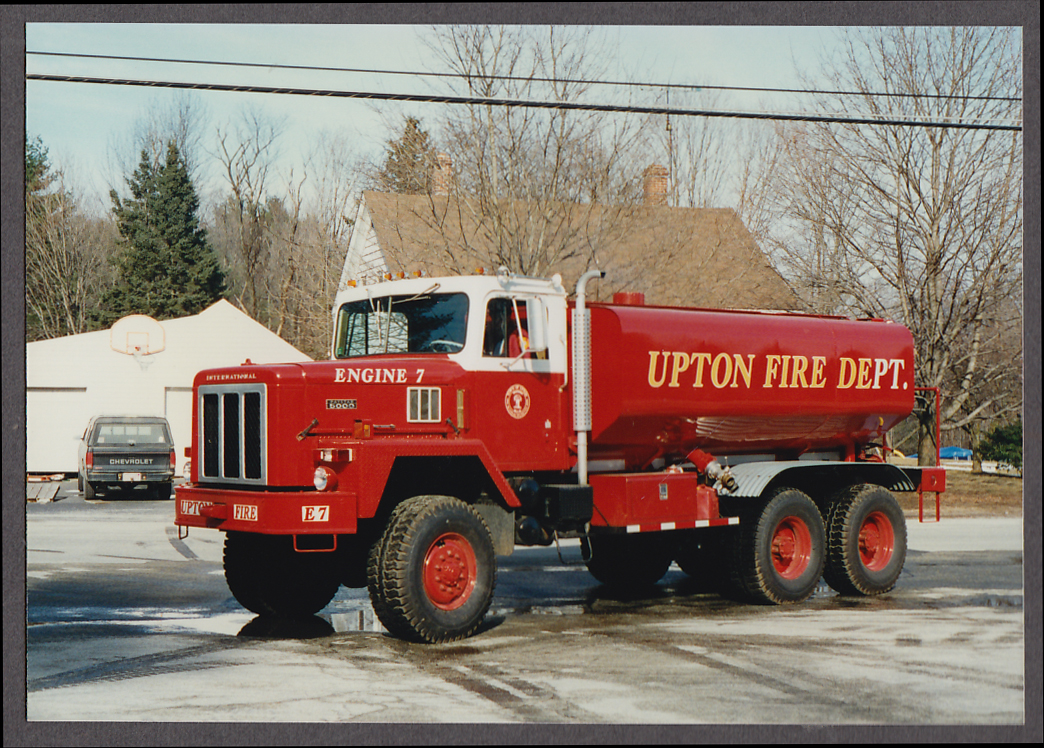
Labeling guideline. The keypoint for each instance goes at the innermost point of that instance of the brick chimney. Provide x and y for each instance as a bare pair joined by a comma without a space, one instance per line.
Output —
655,185
442,175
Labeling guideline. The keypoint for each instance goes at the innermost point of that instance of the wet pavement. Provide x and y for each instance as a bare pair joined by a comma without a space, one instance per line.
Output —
129,622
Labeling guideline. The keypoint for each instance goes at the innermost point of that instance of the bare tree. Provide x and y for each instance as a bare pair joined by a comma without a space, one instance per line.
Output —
246,150
286,240
65,265
182,120
700,151
922,224
528,182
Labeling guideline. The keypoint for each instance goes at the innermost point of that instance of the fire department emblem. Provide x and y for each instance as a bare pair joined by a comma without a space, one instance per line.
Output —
517,401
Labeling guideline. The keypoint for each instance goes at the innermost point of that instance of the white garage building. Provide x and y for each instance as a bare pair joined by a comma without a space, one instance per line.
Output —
138,367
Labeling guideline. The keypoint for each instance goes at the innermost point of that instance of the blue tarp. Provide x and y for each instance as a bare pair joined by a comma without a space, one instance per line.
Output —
955,453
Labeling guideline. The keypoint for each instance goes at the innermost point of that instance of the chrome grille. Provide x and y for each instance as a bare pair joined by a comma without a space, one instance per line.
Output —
232,433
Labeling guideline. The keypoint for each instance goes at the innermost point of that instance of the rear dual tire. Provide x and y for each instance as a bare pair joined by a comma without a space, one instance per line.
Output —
866,544
780,553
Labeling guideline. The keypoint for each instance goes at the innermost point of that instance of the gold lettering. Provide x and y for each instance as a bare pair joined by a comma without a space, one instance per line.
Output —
700,359
880,369
722,381
818,373
846,377
800,364
353,375
897,364
338,375
864,374
742,369
783,374
771,362
681,363
653,381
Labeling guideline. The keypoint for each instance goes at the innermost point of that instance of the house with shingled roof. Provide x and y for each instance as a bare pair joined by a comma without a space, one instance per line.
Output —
701,257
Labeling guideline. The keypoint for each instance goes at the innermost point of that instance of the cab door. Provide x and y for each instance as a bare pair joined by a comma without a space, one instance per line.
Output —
517,403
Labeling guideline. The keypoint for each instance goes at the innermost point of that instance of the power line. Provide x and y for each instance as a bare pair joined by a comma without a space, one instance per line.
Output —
688,86
486,101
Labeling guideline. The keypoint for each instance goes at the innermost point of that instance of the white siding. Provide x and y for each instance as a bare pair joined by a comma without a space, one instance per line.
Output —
364,260
178,412
70,379
56,418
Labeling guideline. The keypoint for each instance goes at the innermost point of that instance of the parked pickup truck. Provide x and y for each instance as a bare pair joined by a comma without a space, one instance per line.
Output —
126,452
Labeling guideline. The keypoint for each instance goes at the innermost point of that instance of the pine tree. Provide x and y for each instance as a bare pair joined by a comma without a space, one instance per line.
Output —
167,267
1004,444
408,162
37,166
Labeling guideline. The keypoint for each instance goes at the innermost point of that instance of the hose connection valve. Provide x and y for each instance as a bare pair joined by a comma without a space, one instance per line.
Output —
710,467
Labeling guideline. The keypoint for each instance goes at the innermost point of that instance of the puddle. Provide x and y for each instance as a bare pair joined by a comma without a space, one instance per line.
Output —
361,618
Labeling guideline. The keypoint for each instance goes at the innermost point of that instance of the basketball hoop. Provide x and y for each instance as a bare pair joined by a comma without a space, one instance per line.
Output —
139,336
144,360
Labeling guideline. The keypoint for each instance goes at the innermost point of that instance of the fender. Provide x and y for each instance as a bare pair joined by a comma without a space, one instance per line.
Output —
379,456
752,478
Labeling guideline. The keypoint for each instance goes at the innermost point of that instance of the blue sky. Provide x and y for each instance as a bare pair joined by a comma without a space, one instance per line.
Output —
81,123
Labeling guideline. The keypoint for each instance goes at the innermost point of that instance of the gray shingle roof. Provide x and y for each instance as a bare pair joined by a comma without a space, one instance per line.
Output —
675,256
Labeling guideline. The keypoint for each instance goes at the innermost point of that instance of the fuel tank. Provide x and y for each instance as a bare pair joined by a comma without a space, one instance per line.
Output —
667,380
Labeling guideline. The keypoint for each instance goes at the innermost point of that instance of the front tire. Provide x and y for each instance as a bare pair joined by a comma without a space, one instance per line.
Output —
781,550
866,546
268,577
433,571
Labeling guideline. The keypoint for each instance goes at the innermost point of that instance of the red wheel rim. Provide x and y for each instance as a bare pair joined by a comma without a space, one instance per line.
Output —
876,541
450,571
791,548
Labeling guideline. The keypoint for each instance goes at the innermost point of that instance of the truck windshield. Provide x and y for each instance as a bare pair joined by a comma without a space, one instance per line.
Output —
422,323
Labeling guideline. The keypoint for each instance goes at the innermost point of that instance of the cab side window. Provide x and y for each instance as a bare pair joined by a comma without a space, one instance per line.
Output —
506,334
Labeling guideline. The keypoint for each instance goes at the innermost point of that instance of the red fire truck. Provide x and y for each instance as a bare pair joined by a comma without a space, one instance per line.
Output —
459,417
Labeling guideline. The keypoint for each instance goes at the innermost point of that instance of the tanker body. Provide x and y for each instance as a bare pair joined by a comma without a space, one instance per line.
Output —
460,417
666,381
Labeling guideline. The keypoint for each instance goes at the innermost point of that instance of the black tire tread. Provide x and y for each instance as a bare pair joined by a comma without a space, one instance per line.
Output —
268,577
393,585
843,571
751,575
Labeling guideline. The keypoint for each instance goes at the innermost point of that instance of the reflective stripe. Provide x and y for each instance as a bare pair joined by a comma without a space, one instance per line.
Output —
691,524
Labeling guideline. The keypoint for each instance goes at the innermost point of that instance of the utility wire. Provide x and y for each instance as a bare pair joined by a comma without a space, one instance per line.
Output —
521,103
690,86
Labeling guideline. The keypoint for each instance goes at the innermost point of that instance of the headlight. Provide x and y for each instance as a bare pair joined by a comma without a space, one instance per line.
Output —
324,479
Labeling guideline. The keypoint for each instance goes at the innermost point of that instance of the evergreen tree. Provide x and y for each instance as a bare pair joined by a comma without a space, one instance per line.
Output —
167,267
37,166
408,162
1004,444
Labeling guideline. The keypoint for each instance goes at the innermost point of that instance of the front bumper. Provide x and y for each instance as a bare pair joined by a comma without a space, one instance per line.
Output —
268,512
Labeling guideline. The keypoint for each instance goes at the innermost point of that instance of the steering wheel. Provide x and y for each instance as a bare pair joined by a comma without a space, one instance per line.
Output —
443,346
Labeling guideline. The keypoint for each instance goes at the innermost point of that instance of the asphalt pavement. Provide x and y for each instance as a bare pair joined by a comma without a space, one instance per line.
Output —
129,621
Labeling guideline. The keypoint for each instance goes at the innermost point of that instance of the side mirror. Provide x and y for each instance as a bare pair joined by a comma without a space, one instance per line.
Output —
536,316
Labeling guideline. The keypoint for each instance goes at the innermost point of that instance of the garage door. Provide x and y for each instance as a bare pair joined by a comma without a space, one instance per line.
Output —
178,405
55,418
